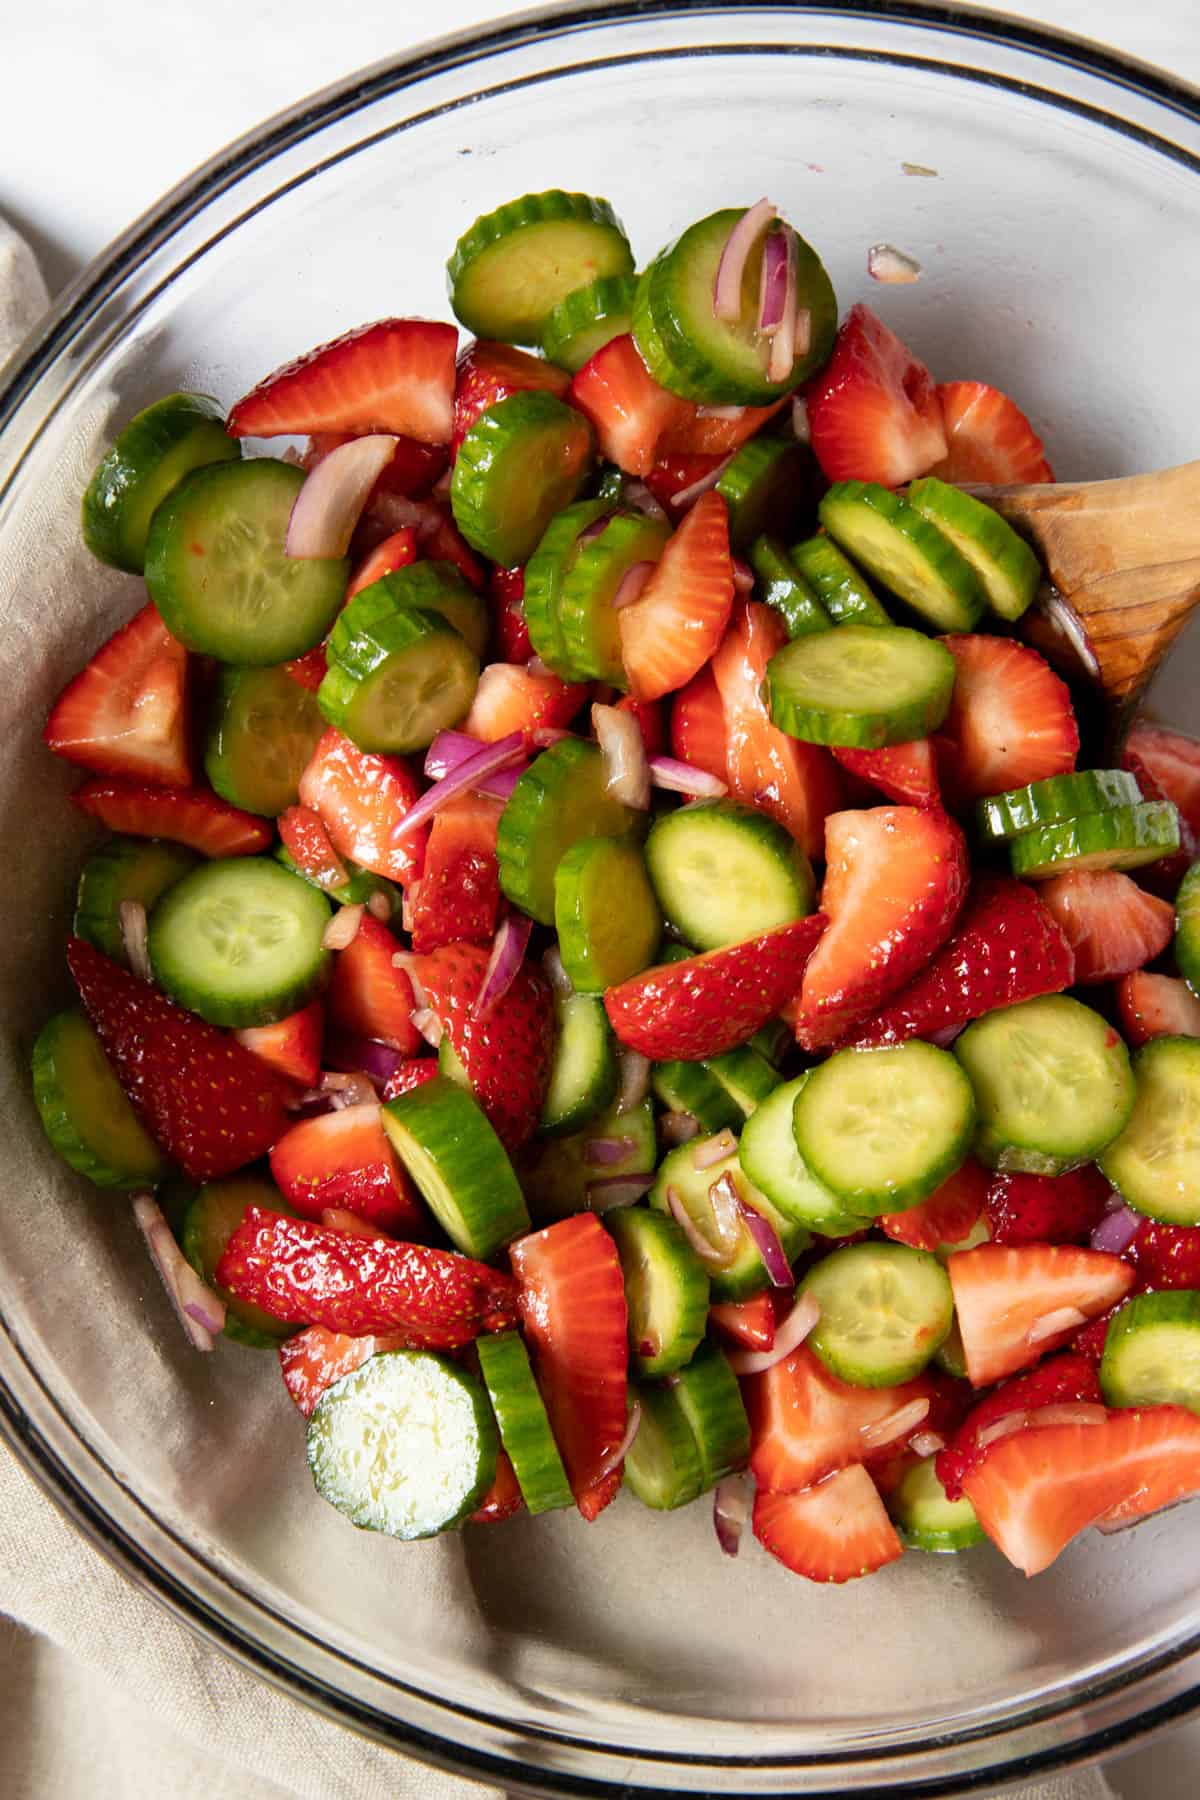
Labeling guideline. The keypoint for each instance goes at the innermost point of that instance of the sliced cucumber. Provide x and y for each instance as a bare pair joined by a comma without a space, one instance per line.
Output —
406,1444
1052,1084
740,1270
724,873
152,455
746,1076
662,1465
545,573
360,886
773,1040
605,913
583,1075
84,1111
562,1175
1155,1162
885,1308
459,1164
693,1087
862,686
950,1357
512,267
842,589
1003,817
1152,1352
903,550
397,674
521,462
1007,568
588,318
213,1215
711,1402
768,485
262,733
925,1519
666,1288
524,1424
771,1159
588,619
125,868
561,799
436,587
779,584
1124,837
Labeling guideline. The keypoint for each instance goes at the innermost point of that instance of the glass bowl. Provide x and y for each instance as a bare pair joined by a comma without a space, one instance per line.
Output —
1052,193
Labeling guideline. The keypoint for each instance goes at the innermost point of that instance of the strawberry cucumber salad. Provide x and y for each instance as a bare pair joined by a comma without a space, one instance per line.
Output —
612,959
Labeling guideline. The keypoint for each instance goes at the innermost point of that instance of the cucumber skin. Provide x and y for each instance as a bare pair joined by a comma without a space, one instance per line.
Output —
1157,1050
125,868
708,1392
1124,837
860,728
1187,928
492,228
762,1165
747,1275
634,1228
229,735
111,497
545,573
1001,817
523,1422
842,589
675,1477
434,587
782,587
913,1513
478,467
589,626
588,318
245,1323
694,1088
1007,568
1177,1308
548,784
688,913
766,488
446,1124
617,862
53,1102
381,632
563,1116
962,603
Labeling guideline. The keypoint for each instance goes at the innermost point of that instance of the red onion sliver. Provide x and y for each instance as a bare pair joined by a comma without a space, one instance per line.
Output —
468,773
727,288
686,496
714,1149
508,952
783,349
897,1424
500,785
638,496
545,735
631,584
447,751
790,1333
1000,1428
678,1127
602,1151
1068,1412
428,1024
199,1310
347,1088
349,1054
594,529
681,778
635,1078
1066,622
380,907
803,333
330,503
1063,1318
1116,1230
131,916
709,1255
556,975
773,286
887,264
624,750
926,1443
766,1239
608,1192
731,1509
342,928
743,577
617,1456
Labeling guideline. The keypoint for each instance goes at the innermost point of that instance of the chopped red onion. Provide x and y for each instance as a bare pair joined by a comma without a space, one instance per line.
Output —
347,1088
1120,1520
773,286
800,426
1066,622
607,1192
406,961
714,1149
895,1425
803,332
678,1127
887,264
631,584
500,785
709,1255
783,349
790,1333
635,1078
594,529
926,1443
637,496
450,749
766,1240
720,412
380,907
342,928
349,1054
686,496
536,666
546,735
556,975
727,288
330,503
743,577
731,1509
725,1201
616,1456
1116,1230
467,774
945,1035
428,1024
1068,1412
624,750
508,953
681,778
1001,1428
602,1151
198,1309
131,916
1063,1318
408,902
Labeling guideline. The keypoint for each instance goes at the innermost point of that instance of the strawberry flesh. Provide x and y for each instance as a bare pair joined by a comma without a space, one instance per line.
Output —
1112,925
361,798
948,1216
672,629
833,1532
1003,1294
343,1159
396,375
126,712
458,898
292,1045
313,1359
507,592
1010,720
905,772
1059,1381
368,995
489,372
873,412
805,1422
698,725
511,697
1047,1209
191,816
988,437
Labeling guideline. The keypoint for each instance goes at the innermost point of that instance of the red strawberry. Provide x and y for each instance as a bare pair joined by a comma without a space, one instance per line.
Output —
1166,1256
314,1359
629,412
1167,764
126,712
676,471
209,1103
490,372
873,412
947,1217
368,995
1005,948
459,892
717,430
650,721
413,470
304,837
1047,1209
309,670
503,1499
293,1045
1059,1381
1005,1298
672,628
904,772
507,591
572,1304
708,1004
1036,1490
895,879
511,697
1010,720
362,797
835,1531
395,552
395,375
698,725
343,1159
438,538
805,1422
988,437
411,1074
1153,1006
750,1324
191,816
1112,925
797,784
306,1275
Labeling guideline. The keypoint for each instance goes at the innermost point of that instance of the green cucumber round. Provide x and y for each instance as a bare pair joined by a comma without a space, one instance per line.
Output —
521,462
397,674
842,589
662,1465
125,868
925,1519
459,1164
771,1159
747,1077
561,798
524,1423
1007,568
861,686
588,620
262,732
1124,837
1002,817
768,485
666,1288
710,1400
84,1111
692,1087
779,583
741,1271
605,913
1152,1352
584,1073
885,1308
558,1174
436,587
213,1214
1154,1163
512,267
157,448
902,549
545,573
723,873
588,318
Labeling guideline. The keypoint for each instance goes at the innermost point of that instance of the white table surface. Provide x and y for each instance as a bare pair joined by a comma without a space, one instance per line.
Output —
107,105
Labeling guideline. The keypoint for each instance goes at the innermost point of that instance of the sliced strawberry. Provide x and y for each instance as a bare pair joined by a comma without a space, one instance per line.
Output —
988,437
438,538
511,698
650,722
1059,1381
835,1531
717,430
362,797
797,784
210,1104
873,412
1112,925
708,1004
396,375
629,412
1004,1298
304,837
1010,719
948,1216
804,1422
412,472
1172,762
1166,1256
507,591
314,1359
343,1159
698,725
396,551
459,893
126,712
676,471
489,372
292,1045
1153,1006
572,1303
192,816
408,1075
673,627
895,879
368,995
1005,948
750,1324
309,670
503,1499
1047,1209
904,772
1037,1489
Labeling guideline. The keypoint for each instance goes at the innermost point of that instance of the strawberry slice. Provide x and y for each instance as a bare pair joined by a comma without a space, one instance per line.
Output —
437,535
489,372
698,725
988,437
1010,719
1166,1256
410,1074
396,551
305,1274
412,472
873,412
629,412
675,624
513,698
343,1159
210,1104
948,1216
292,1045
1047,1209
507,591
895,879
1167,764
676,471
1035,1490
126,712
1059,1381
1005,1298
1005,948
1153,1006
303,835
572,1305
1112,925
314,1359
395,375
361,798
368,995
309,670
708,1004
797,784
192,816
459,893
716,431
750,1324
650,722
904,772
804,1422
835,1531
503,1499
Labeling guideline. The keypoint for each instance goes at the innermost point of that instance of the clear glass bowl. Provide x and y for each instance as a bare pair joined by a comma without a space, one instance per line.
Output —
1052,193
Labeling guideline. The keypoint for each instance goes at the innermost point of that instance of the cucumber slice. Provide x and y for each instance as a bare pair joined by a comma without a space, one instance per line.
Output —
558,1174
780,585
360,886
900,547
587,618
524,1423
741,1271
1124,837
262,733
1155,1162
925,1519
1002,817
662,1465
746,1076
157,448
522,461
862,686
883,1128
950,1357
718,361
885,1308
545,573
1052,1084
436,587
1007,568
459,1164
588,318
605,913
842,589
405,1444
768,485
724,873
583,1075
1187,928
711,1402
84,1111
218,573
692,1087
1152,1352
512,267
771,1159
213,1215
397,674
125,868
666,1288
773,1040
561,799
239,941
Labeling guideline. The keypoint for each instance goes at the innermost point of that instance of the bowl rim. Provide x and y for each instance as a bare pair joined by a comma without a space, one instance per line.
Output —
80,302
